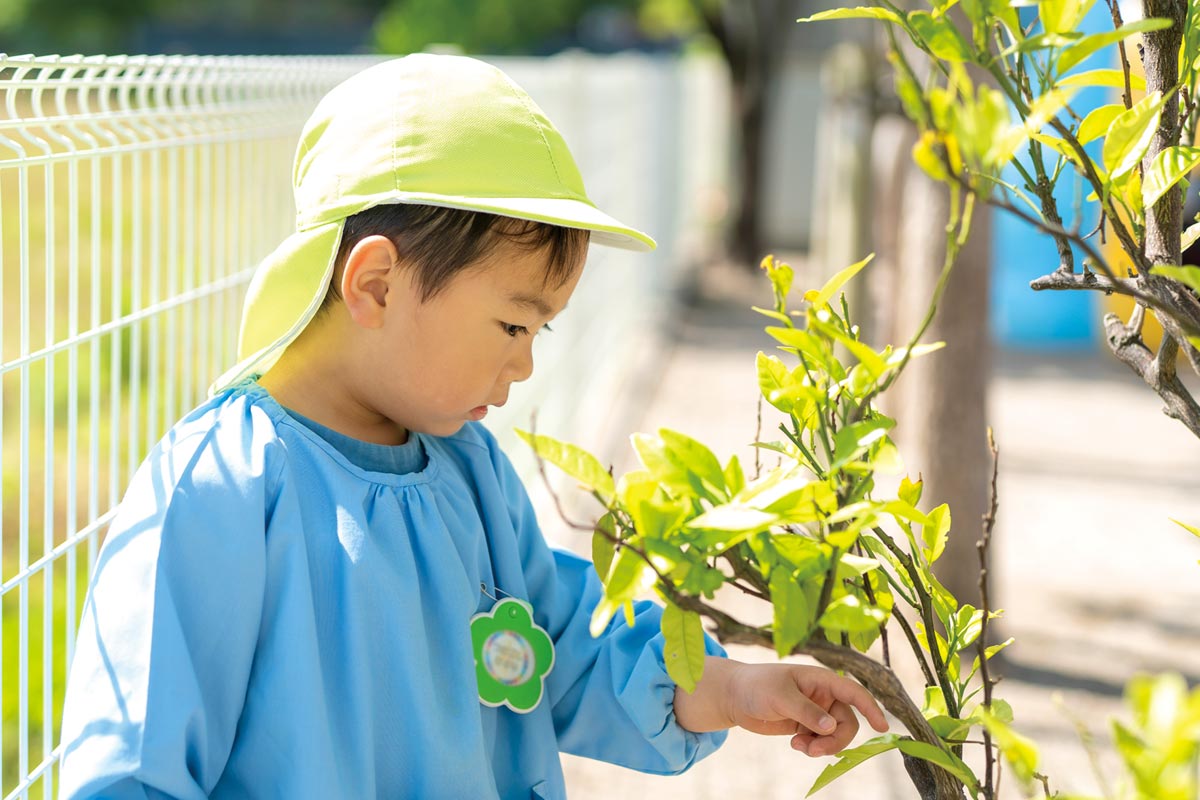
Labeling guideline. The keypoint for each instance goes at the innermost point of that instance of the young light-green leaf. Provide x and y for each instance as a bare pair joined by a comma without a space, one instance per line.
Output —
849,759
940,36
1103,77
934,534
834,284
575,461
1130,134
1192,529
1019,751
793,616
697,460
1060,16
1189,237
1189,276
936,755
1169,167
683,646
1090,44
853,13
1098,121
852,615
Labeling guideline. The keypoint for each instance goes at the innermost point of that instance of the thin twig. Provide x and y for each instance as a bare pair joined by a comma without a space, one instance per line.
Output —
989,523
1115,8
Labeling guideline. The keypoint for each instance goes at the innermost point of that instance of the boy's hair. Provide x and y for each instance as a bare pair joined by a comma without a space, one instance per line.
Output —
441,242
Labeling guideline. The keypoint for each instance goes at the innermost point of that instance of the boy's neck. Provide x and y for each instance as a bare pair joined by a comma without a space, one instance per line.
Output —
321,392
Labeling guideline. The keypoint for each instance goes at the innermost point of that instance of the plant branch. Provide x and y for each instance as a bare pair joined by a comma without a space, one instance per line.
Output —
989,522
1158,373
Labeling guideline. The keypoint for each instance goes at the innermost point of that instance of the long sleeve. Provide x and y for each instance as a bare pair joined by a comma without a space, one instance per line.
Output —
611,696
167,635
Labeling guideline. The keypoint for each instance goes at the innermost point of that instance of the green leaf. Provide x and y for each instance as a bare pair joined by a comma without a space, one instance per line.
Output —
628,577
667,471
1020,752
795,499
851,758
780,275
910,492
1187,275
902,510
936,755
773,378
1000,149
793,616
697,460
603,549
734,518
1098,121
940,36
1104,77
833,285
735,479
575,461
935,533
1059,16
807,557
683,646
1189,237
1169,167
853,13
852,440
1130,134
851,615
1192,529
1090,44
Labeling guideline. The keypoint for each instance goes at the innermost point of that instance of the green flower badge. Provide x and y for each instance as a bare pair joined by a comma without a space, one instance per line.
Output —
512,656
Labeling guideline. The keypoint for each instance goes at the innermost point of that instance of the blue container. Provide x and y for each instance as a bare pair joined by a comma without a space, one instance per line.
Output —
1048,321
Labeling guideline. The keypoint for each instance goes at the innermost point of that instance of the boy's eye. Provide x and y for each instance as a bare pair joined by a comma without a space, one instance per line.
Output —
517,330
514,330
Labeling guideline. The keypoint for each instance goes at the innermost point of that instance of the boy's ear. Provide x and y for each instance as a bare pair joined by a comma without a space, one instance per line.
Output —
367,279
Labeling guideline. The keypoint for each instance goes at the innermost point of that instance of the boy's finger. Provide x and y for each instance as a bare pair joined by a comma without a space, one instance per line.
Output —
852,693
797,706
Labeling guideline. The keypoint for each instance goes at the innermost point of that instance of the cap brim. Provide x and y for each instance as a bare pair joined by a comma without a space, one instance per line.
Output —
563,211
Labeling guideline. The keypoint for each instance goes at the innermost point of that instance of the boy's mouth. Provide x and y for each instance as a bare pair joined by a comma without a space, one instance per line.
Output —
478,413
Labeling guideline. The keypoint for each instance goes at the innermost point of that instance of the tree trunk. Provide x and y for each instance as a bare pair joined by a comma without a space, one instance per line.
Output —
941,401
750,106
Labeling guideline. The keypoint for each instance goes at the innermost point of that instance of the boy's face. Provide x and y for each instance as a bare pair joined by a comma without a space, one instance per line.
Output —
438,363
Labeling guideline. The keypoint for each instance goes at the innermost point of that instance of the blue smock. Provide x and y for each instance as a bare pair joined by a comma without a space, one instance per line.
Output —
281,611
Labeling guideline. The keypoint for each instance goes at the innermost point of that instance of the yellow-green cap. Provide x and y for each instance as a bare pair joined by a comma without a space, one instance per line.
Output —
426,129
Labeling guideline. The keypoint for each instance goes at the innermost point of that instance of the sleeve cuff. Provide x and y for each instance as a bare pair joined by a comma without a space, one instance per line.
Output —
648,697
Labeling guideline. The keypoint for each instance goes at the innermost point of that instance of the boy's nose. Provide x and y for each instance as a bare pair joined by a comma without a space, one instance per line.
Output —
521,367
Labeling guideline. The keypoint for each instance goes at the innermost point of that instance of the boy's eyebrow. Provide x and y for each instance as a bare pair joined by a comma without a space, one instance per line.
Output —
531,301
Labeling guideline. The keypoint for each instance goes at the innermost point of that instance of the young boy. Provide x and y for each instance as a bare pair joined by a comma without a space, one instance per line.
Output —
327,581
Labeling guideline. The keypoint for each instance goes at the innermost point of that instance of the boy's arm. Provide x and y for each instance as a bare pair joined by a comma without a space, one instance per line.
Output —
167,635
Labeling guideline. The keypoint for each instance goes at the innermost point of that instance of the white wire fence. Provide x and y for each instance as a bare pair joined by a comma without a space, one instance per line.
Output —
136,196
132,211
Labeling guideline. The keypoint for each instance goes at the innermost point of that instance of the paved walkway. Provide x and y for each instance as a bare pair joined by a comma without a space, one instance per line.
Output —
1096,582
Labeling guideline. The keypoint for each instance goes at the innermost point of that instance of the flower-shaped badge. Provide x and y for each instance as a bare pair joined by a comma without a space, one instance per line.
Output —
512,656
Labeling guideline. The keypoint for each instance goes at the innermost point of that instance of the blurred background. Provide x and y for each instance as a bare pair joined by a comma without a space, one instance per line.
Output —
138,192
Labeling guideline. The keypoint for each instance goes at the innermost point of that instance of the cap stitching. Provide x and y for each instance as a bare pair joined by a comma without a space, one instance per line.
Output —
525,101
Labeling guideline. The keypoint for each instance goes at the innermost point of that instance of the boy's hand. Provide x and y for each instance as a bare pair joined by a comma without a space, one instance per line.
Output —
811,704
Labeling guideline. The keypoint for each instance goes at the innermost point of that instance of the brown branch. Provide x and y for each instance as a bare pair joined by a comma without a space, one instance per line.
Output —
1115,9
1128,347
989,523
1059,281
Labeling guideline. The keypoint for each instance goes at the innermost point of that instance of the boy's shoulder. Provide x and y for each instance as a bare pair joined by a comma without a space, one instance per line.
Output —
230,432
